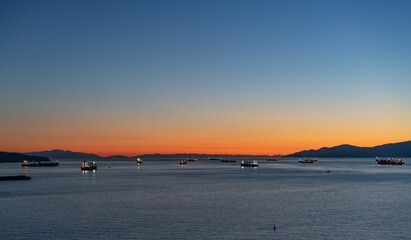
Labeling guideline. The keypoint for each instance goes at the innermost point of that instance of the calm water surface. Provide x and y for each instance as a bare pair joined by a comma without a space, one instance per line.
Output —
159,199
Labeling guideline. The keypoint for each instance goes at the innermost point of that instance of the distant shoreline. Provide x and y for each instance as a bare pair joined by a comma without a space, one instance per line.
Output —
401,149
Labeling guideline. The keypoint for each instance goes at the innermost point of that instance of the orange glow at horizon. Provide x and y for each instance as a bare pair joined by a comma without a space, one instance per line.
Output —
256,133
259,138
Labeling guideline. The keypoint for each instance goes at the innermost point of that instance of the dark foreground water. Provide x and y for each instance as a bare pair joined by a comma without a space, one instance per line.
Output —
357,199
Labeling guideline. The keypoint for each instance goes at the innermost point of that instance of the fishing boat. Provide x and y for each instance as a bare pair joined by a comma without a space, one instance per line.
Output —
389,161
249,163
27,163
139,161
88,166
306,160
182,162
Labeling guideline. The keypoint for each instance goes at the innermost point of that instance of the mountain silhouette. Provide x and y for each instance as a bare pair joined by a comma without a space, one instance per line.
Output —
401,149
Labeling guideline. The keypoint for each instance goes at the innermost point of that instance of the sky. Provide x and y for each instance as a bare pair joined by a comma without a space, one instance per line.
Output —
234,77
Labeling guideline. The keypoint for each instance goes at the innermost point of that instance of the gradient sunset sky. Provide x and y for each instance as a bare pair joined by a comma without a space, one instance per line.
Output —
247,77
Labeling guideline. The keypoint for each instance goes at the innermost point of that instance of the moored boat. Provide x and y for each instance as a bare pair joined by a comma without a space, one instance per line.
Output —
272,159
27,163
230,160
306,160
389,161
139,161
249,163
192,159
182,162
215,158
88,166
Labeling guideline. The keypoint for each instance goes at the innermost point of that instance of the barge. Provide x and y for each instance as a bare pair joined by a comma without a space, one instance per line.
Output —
389,161
12,178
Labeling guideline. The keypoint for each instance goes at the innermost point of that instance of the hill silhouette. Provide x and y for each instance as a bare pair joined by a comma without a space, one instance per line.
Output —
64,154
401,149
7,157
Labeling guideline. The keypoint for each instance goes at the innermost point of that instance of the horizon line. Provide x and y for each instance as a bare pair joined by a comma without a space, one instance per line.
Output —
210,154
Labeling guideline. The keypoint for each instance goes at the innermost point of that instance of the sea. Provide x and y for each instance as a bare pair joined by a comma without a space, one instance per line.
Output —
334,198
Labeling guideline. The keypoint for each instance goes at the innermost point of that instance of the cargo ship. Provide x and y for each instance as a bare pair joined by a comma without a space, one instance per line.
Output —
27,163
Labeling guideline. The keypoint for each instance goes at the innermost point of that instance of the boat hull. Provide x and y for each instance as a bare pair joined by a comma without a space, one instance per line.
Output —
88,168
249,163
390,163
40,164
13,178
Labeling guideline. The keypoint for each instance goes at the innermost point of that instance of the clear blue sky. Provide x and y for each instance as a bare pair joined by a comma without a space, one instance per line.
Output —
73,69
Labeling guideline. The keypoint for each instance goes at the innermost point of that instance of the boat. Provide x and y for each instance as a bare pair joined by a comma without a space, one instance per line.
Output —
272,159
88,166
182,162
192,159
215,158
389,161
249,163
228,160
17,177
27,163
139,161
306,160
